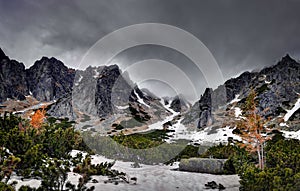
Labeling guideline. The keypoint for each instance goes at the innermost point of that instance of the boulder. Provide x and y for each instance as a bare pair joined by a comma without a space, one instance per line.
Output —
203,165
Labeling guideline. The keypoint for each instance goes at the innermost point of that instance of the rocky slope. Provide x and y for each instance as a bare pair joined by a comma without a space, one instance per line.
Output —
277,88
97,95
104,96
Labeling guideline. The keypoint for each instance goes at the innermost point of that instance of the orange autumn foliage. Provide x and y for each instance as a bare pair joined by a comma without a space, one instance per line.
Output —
253,128
38,118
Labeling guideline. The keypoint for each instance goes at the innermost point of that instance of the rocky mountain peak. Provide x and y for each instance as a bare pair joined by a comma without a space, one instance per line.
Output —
179,103
287,58
49,79
2,55
49,65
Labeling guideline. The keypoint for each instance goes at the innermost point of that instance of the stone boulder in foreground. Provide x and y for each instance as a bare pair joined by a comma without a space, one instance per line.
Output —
203,165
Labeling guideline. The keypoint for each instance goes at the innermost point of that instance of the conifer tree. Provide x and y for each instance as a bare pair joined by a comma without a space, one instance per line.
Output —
253,128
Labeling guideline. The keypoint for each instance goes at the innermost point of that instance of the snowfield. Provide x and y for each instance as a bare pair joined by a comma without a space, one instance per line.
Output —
149,178
210,135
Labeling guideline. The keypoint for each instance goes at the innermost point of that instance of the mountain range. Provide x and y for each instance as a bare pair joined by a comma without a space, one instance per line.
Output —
105,97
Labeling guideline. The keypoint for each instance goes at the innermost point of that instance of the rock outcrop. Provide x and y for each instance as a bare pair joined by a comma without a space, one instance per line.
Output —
111,90
205,108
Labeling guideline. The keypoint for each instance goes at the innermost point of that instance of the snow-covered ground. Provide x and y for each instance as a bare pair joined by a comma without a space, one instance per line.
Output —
292,111
214,136
163,178
37,106
149,178
159,124
206,136
180,132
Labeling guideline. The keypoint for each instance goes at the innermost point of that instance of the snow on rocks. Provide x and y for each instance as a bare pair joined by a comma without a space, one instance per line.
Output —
283,125
237,111
292,111
140,100
291,134
96,73
236,99
122,107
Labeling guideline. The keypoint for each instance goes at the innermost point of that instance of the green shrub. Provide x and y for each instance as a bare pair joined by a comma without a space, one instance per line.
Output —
282,171
6,187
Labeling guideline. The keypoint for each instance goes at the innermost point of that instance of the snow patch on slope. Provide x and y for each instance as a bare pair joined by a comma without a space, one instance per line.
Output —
159,124
292,111
122,107
236,99
219,136
237,111
37,106
96,73
180,132
140,100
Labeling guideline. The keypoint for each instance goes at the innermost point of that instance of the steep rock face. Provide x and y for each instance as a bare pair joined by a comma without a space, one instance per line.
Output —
205,108
12,79
62,108
278,86
235,85
104,91
277,89
112,90
179,104
84,90
176,104
49,79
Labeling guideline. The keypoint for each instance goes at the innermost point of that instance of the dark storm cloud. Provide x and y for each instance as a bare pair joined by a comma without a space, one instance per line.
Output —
242,35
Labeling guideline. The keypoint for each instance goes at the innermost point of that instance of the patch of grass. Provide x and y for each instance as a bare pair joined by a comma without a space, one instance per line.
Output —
142,140
85,118
131,123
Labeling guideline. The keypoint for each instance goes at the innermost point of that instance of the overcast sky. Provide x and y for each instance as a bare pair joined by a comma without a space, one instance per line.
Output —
241,35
